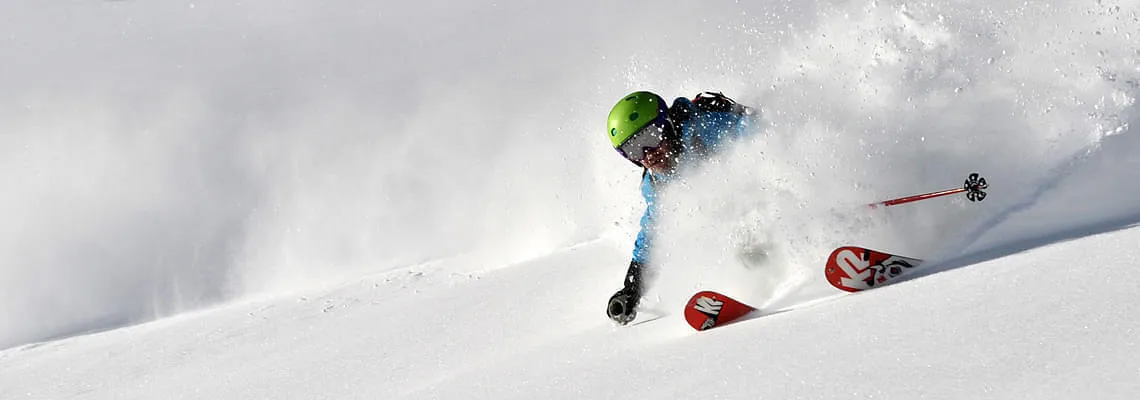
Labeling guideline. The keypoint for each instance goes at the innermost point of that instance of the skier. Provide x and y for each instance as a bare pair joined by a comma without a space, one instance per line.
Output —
661,140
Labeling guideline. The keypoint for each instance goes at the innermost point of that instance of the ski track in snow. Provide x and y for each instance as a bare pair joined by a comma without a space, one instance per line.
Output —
267,200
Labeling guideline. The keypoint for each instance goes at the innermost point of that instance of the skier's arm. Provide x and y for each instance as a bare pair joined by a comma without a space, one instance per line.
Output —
641,247
622,305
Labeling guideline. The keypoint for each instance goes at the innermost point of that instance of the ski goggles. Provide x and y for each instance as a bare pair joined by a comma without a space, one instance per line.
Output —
648,138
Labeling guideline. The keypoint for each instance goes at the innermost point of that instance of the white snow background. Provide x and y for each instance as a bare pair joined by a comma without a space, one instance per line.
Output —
389,200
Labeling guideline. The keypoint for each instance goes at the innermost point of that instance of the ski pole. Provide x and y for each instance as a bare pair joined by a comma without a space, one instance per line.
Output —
974,187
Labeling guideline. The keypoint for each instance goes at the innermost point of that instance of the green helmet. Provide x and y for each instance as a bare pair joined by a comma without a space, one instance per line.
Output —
634,112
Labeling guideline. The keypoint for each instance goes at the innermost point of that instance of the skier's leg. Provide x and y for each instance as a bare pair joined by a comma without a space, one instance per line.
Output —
753,246
753,256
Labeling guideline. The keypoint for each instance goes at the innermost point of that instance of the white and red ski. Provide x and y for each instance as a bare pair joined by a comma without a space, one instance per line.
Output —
707,310
855,269
849,268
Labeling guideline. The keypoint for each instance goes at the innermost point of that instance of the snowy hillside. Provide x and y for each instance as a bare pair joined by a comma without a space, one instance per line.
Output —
1025,326
292,200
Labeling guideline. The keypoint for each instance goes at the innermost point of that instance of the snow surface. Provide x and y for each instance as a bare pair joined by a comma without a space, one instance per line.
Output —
291,200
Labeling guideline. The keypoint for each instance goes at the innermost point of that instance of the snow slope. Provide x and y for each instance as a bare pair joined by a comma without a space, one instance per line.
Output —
1043,325
291,200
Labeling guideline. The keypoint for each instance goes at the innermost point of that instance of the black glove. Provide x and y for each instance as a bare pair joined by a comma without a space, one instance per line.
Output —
622,305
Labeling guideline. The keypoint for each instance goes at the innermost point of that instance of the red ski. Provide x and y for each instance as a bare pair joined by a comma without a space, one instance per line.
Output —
855,269
707,310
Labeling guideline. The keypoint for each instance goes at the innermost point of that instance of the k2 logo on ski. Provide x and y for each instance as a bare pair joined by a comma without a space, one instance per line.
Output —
860,272
708,306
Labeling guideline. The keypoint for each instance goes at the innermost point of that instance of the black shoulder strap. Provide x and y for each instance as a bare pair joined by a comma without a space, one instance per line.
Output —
680,111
